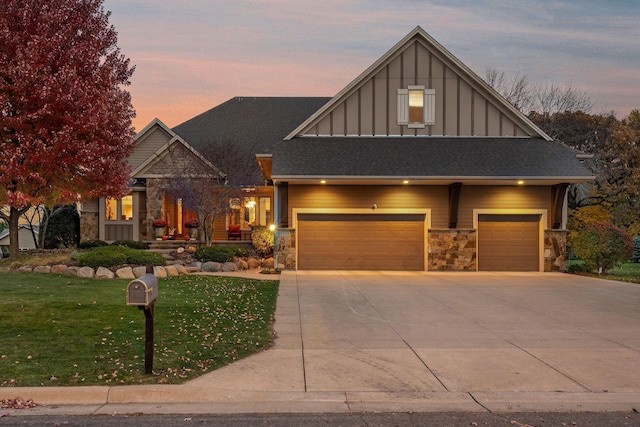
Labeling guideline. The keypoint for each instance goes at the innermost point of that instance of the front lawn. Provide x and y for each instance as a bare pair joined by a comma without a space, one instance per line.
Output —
626,272
62,330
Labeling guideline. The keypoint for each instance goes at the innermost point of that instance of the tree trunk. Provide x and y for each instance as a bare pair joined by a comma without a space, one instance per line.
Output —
14,246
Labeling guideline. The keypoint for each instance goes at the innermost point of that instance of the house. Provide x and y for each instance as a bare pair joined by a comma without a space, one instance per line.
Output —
417,164
25,237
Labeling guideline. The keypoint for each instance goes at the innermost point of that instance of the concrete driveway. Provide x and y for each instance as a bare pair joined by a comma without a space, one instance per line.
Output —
398,342
500,340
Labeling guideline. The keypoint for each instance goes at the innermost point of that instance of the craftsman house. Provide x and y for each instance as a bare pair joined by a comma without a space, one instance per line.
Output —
417,164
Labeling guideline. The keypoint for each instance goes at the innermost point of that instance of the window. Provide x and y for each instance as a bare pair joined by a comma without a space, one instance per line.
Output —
119,210
416,107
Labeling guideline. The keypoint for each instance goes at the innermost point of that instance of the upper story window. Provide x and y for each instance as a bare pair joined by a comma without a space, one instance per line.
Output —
119,209
416,107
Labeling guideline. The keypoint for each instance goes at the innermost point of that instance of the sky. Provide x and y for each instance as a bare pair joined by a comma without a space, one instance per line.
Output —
191,55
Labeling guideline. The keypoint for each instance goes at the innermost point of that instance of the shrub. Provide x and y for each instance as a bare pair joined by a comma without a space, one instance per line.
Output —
110,256
602,246
636,250
215,253
89,244
577,268
131,244
262,239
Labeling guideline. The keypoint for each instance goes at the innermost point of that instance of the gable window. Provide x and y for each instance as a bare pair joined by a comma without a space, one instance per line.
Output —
119,209
416,107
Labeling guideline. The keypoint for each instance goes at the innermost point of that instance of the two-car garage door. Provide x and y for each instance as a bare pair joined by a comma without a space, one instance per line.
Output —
361,242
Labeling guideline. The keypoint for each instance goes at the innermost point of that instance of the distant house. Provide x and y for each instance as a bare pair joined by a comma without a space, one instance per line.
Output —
25,238
417,164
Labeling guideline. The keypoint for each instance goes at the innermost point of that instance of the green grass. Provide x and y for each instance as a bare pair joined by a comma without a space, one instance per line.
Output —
626,272
60,330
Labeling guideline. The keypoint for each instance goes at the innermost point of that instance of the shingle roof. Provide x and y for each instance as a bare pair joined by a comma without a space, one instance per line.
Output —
256,124
425,157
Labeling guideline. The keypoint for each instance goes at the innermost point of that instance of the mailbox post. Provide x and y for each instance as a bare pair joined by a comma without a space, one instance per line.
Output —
142,292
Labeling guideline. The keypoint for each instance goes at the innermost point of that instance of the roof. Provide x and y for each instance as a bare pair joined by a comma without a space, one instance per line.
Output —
256,124
443,159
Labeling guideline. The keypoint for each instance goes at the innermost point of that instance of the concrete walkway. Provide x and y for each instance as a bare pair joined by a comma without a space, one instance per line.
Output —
354,341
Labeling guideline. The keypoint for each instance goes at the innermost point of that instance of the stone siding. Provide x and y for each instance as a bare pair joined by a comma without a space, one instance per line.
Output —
89,227
154,205
284,249
555,250
452,250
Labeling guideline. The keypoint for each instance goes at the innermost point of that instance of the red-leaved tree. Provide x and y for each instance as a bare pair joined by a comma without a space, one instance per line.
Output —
65,128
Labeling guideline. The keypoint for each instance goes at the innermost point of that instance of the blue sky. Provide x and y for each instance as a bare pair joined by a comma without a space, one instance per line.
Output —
191,55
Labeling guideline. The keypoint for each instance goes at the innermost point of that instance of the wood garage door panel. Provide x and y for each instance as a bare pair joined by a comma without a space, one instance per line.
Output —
508,242
361,242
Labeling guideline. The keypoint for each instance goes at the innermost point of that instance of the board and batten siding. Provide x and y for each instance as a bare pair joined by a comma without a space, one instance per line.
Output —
435,198
462,108
147,145
501,197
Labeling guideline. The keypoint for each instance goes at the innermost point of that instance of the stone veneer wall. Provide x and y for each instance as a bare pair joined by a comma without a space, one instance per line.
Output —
154,204
452,250
89,227
284,249
555,250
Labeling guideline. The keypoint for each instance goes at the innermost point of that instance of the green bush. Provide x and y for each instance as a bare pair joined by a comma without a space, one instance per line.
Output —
131,244
262,239
636,250
577,268
602,246
89,244
215,253
110,256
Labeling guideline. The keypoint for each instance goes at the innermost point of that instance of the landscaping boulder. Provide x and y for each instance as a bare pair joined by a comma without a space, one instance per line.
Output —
71,271
125,273
253,263
229,266
139,271
268,263
86,273
193,269
211,266
242,264
25,269
104,273
58,269
196,264
159,271
181,270
171,270
42,269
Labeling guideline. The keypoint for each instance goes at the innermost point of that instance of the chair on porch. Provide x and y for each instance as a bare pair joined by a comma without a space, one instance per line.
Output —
234,232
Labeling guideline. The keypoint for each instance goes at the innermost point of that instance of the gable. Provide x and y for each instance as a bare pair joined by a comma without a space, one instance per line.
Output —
463,104
176,158
148,141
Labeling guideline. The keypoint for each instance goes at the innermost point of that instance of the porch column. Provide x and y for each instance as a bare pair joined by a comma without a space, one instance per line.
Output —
281,197
559,195
454,201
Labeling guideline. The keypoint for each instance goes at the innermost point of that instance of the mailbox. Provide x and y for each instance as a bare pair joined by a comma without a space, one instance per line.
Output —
142,291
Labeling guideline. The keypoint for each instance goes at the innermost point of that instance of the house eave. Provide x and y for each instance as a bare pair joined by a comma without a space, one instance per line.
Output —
430,180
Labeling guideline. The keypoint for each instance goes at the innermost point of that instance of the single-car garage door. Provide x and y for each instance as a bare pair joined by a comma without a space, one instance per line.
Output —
361,242
508,242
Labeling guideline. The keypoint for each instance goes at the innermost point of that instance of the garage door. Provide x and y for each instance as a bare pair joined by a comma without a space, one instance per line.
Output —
508,242
361,242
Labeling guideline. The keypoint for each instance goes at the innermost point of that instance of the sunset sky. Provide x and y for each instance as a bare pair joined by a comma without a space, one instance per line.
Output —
192,55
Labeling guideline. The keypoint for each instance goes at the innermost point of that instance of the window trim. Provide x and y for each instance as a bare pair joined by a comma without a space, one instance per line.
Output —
428,107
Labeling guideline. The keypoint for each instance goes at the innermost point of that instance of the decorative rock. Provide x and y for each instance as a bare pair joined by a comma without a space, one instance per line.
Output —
71,271
229,266
25,269
42,269
253,263
268,263
181,269
177,262
58,269
4,269
159,271
171,270
193,269
86,273
242,264
125,273
139,271
104,273
196,264
211,266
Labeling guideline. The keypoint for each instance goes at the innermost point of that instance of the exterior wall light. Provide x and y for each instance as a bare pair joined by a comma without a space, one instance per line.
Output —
272,227
520,182
323,182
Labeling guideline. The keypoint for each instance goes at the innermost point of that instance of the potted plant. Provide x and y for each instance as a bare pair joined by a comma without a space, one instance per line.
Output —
192,224
159,224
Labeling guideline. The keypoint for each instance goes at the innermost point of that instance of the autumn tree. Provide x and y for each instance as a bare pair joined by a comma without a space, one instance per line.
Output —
66,116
